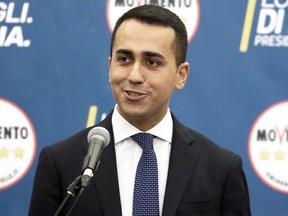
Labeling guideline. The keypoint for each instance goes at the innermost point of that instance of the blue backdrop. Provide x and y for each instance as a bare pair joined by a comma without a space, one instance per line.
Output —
54,67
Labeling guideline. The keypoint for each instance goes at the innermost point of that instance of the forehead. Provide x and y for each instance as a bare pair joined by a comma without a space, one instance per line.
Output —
139,35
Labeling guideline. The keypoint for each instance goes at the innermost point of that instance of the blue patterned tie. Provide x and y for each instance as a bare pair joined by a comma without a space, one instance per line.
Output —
145,200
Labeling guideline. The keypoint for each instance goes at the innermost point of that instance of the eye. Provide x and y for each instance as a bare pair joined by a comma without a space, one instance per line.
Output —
123,60
153,62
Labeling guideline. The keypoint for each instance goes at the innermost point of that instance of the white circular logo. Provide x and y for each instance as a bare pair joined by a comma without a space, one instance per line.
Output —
187,10
17,143
268,146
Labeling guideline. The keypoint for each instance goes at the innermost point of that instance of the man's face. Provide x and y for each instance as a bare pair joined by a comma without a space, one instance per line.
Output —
143,72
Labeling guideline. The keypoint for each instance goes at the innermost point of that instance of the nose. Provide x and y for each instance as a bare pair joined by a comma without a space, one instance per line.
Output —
135,75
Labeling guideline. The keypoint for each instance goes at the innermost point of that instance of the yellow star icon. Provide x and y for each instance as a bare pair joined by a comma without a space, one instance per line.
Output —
18,153
279,155
3,153
264,155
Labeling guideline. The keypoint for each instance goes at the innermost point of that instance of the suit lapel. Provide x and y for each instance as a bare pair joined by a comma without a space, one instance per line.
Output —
182,163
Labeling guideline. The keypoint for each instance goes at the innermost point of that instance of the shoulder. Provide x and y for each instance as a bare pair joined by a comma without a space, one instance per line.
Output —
78,140
70,143
201,143
72,148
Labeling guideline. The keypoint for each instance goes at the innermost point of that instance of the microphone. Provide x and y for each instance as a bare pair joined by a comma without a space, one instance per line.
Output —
98,138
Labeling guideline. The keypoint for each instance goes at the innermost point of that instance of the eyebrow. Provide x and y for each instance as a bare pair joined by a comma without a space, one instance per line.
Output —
153,54
145,53
124,51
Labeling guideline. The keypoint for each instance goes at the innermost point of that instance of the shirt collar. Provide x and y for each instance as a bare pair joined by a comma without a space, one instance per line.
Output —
122,129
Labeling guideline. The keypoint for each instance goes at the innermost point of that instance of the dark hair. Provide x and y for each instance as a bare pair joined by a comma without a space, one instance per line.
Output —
153,14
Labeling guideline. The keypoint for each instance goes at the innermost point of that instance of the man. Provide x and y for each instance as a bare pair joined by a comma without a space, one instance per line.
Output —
195,176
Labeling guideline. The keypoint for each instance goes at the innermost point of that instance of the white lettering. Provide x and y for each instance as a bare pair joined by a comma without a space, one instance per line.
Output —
3,32
24,12
9,15
280,21
14,37
3,8
270,20
271,41
266,5
14,34
281,5
267,21
275,3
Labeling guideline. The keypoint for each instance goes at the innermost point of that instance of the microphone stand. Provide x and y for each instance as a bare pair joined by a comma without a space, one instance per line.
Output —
76,189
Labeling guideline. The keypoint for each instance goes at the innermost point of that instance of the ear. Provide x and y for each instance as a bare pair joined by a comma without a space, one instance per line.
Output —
182,75
109,66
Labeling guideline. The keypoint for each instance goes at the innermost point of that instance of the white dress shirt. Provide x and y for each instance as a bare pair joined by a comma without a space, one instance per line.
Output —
128,153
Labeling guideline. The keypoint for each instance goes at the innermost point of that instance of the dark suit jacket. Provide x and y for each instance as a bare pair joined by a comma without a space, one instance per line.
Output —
203,179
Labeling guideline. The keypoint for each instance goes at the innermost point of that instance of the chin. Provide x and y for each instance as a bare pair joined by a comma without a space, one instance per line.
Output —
135,113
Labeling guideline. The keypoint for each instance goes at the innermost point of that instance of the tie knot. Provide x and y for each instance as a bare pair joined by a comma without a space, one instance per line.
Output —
145,140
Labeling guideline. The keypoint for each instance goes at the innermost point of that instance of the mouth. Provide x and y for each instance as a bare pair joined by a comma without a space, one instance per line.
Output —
134,95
